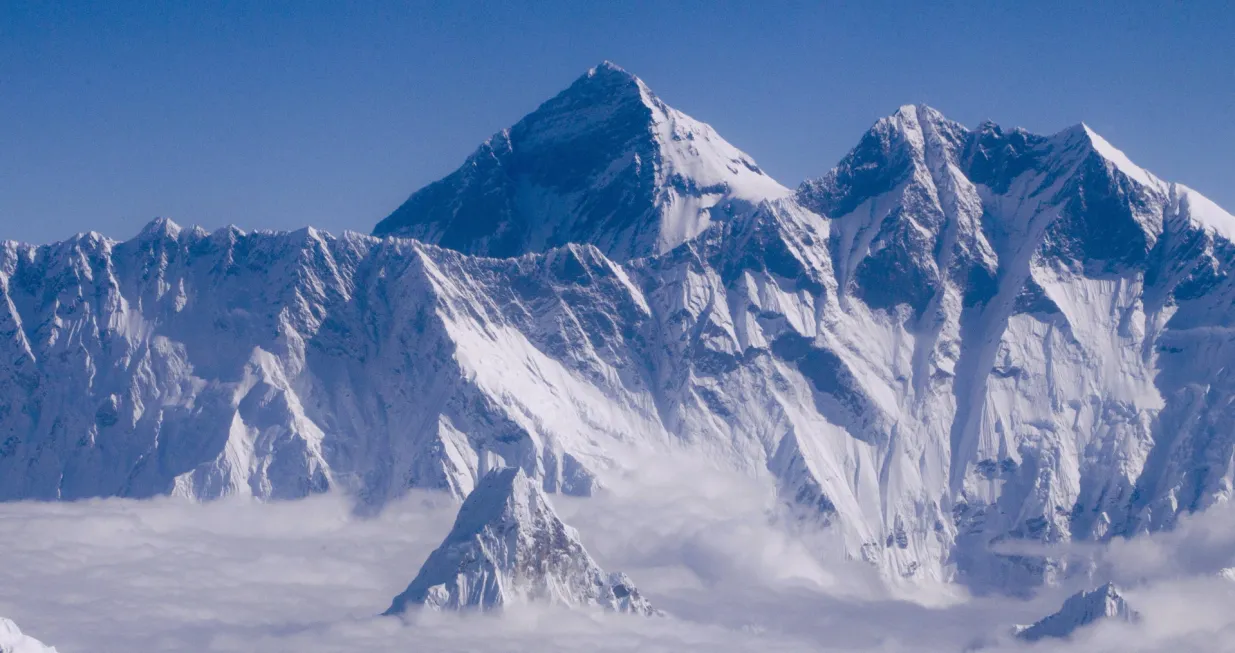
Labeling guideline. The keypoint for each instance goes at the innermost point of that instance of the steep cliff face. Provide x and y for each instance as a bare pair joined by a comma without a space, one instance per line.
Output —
955,339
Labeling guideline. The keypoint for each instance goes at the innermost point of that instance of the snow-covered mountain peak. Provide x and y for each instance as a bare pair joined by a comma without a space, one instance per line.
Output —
12,640
1080,141
1080,610
607,66
508,546
160,228
920,116
1120,160
610,73
896,150
503,495
605,162
914,124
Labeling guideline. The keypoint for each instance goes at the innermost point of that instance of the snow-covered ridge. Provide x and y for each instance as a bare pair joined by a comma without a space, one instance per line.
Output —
508,546
956,339
12,640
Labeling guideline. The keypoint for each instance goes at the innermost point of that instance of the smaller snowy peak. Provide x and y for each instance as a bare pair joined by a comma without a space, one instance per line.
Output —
508,546
895,150
1080,610
609,71
920,116
160,228
12,640
922,121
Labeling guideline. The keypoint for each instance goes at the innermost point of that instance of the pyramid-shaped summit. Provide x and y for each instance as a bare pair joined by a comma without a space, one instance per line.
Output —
508,546
1080,610
12,640
604,162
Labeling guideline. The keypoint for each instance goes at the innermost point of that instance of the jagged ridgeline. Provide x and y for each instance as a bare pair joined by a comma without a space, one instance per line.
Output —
953,338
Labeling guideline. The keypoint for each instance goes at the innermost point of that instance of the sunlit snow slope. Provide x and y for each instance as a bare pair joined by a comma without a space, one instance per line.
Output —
12,640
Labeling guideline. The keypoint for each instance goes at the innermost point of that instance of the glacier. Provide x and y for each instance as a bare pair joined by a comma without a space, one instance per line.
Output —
955,342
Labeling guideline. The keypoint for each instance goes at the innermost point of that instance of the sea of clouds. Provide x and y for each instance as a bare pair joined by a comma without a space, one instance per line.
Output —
311,576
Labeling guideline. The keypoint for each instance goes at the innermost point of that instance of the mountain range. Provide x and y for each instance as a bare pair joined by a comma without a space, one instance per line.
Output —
954,342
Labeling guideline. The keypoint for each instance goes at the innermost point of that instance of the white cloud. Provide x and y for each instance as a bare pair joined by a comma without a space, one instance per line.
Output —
308,576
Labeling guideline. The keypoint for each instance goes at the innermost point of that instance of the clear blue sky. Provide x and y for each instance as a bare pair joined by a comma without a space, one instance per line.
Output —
272,114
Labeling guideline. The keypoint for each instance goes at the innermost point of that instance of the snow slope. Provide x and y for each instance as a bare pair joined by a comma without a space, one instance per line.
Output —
13,641
954,342
509,546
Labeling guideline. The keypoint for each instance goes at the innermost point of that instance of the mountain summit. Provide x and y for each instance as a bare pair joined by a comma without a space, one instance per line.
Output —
1080,610
12,640
509,546
605,162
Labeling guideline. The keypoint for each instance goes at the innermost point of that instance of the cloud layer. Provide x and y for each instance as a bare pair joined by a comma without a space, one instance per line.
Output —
309,576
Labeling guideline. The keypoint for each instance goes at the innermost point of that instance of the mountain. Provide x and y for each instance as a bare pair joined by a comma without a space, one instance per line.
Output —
279,365
1049,320
509,546
1080,610
605,162
13,641
955,342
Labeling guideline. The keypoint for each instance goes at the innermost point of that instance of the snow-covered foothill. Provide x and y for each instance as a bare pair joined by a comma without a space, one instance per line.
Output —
12,640
508,546
1079,610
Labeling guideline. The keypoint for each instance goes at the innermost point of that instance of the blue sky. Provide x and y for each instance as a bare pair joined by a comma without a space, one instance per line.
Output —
279,114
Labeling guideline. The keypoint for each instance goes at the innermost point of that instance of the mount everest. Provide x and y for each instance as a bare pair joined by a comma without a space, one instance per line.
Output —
605,162
955,342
